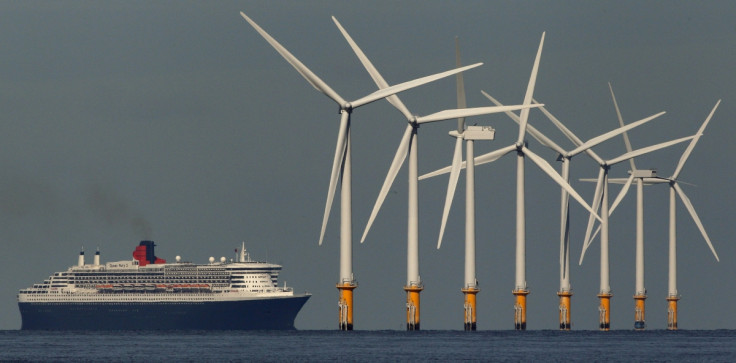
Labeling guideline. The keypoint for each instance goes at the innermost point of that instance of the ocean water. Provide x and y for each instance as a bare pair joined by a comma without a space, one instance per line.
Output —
370,346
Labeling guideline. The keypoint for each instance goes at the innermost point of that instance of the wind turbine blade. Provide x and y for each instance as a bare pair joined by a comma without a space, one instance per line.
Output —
621,194
690,147
621,123
596,204
479,160
493,155
444,170
540,137
660,180
524,116
460,84
392,171
560,126
646,150
569,134
694,215
385,92
595,233
377,78
457,159
544,165
336,167
468,112
608,135
315,81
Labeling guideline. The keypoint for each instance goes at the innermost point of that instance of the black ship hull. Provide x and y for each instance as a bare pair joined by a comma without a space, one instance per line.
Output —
276,313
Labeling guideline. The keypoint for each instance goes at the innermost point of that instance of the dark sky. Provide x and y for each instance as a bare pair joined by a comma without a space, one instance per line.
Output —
176,121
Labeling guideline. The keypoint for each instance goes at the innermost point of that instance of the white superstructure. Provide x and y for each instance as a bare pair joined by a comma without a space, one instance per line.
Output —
132,280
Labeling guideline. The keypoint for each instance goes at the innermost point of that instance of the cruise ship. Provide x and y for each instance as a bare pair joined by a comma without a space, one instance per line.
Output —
147,293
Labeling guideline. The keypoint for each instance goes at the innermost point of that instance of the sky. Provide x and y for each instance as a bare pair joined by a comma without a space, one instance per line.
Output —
175,121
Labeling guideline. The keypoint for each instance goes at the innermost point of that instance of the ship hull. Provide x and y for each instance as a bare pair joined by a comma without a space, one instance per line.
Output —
254,314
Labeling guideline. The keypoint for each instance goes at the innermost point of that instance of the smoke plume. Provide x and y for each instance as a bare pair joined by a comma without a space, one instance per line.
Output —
113,210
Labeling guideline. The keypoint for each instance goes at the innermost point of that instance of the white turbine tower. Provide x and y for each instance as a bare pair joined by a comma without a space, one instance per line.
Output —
408,145
341,164
600,199
565,292
640,292
648,177
520,290
469,134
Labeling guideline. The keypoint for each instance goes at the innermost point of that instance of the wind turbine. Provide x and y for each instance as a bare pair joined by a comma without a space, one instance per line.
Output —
342,163
601,199
408,145
565,292
520,290
469,134
648,177
640,293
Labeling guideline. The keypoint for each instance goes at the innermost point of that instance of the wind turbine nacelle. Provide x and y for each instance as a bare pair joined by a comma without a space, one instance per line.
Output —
644,173
479,133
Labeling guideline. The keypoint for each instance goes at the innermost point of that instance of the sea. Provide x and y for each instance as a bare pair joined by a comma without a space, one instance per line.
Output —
369,346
